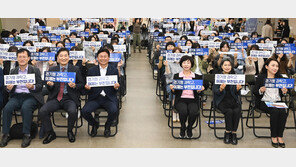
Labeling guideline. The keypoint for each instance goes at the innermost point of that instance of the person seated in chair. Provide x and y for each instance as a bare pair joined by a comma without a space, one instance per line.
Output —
187,101
105,97
24,98
227,100
62,96
278,116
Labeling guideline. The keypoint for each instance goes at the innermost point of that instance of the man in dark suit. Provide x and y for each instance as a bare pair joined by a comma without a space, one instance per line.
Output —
25,98
101,96
62,96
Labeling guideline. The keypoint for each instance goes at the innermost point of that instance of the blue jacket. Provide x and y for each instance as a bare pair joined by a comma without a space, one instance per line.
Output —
110,91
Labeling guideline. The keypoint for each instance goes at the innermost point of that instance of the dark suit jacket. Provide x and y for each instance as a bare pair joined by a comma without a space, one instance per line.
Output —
6,67
73,93
178,93
219,96
38,83
260,81
1,87
110,91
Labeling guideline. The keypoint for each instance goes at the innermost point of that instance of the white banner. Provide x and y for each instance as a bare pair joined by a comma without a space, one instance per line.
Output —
193,38
259,53
220,24
230,79
29,48
77,55
119,48
75,40
168,25
60,32
42,44
31,38
268,46
102,36
101,81
174,57
4,47
204,32
8,56
213,44
91,43
19,79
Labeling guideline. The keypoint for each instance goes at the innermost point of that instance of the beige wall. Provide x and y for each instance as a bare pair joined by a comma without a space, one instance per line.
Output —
53,22
11,23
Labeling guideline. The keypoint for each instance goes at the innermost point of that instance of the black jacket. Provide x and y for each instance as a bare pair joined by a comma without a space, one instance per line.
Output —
73,93
219,96
110,91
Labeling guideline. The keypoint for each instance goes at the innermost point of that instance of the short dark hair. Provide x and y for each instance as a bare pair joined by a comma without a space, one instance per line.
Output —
44,37
75,48
185,58
28,41
67,39
63,49
224,43
108,46
22,50
169,43
12,49
73,33
61,43
103,50
45,48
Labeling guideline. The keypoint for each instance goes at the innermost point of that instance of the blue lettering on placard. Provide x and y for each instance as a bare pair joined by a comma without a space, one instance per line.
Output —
60,76
188,84
279,83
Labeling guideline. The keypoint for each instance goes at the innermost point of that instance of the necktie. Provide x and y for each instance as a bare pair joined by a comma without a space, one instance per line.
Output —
61,92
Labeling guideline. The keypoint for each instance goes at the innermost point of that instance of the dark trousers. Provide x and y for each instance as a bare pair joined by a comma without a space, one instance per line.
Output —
232,115
100,102
27,104
278,119
53,105
136,41
187,108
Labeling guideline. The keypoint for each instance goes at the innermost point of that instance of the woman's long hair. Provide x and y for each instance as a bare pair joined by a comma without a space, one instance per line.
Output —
267,62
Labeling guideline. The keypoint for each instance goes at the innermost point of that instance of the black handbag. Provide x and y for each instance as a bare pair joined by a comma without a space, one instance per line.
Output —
16,131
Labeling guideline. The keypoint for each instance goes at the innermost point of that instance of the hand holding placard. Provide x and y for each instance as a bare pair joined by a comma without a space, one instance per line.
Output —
72,85
9,87
116,85
49,83
87,87
222,87
262,89
284,90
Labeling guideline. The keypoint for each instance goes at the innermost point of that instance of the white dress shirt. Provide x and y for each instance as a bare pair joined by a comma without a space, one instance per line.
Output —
103,72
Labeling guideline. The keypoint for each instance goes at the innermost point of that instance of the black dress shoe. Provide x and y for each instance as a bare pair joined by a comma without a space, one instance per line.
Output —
283,145
4,141
182,132
234,139
26,141
107,132
94,130
71,136
189,132
275,145
50,137
227,138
